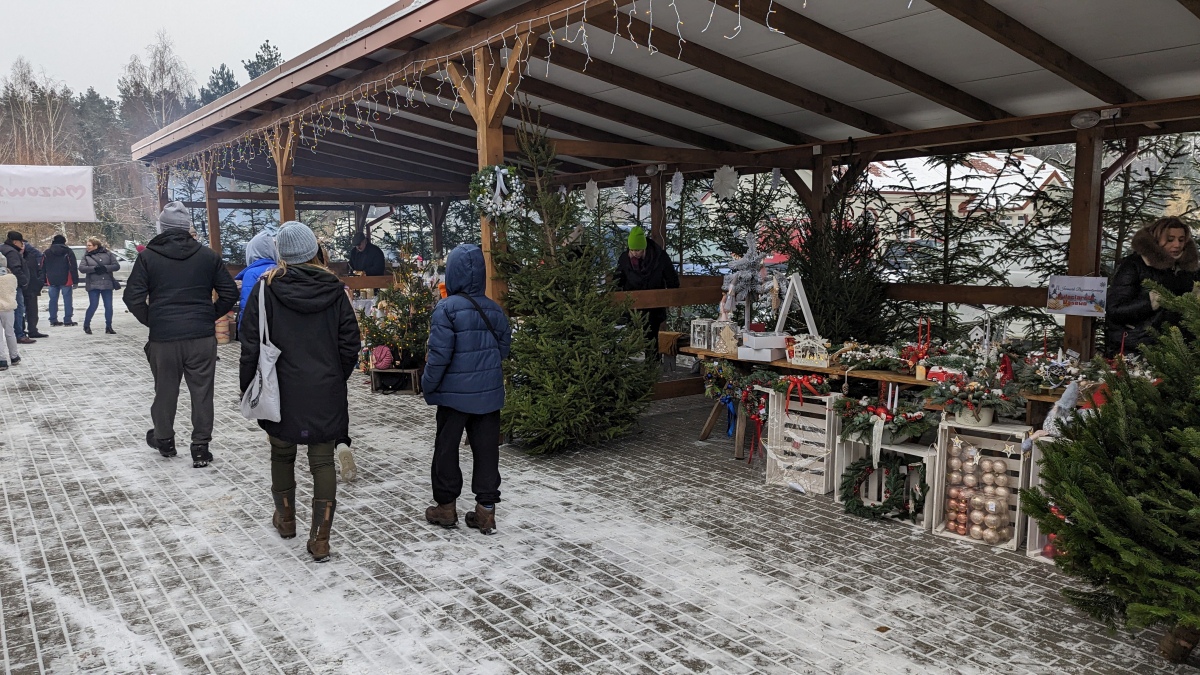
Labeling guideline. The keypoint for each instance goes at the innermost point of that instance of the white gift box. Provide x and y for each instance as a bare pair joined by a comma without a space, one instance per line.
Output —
766,355
765,340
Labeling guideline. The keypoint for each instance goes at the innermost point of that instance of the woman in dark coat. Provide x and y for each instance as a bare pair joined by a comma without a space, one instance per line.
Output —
1165,253
99,264
310,320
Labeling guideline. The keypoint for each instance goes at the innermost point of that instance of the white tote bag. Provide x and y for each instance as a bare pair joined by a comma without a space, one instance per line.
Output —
261,400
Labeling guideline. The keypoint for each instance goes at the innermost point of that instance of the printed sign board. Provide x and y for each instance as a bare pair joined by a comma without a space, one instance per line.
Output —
46,194
1080,296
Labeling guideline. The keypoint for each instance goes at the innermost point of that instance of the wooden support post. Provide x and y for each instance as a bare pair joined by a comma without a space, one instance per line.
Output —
488,98
658,209
283,149
1087,203
360,219
436,212
822,178
213,214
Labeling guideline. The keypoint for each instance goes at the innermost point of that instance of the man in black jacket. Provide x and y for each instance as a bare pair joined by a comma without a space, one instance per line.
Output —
12,247
33,288
366,257
62,276
645,266
170,290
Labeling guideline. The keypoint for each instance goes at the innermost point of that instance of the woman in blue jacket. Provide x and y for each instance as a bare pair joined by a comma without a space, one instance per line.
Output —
260,259
468,338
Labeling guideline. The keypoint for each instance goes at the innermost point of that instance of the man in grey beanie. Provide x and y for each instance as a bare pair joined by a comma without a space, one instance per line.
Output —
170,290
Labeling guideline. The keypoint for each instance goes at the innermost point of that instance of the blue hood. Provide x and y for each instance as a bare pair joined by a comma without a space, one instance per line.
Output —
464,270
255,268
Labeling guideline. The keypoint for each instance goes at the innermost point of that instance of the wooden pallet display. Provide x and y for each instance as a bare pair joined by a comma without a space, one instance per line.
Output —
999,441
847,452
1035,541
801,433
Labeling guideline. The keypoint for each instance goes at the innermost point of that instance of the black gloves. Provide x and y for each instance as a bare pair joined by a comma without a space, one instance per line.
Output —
99,269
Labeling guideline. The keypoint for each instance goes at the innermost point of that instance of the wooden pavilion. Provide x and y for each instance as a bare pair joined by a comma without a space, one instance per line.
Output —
404,107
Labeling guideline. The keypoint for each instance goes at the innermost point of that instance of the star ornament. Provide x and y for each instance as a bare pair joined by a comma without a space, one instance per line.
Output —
1009,448
958,443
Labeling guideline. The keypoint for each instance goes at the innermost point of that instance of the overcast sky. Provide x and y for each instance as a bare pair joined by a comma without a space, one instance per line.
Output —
87,42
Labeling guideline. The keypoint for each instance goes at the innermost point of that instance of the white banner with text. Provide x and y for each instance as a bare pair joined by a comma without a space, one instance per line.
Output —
46,194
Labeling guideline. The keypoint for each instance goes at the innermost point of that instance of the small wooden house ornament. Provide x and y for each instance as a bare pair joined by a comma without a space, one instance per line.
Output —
809,350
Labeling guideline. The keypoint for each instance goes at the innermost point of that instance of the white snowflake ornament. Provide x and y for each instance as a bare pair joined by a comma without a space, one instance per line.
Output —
631,186
677,184
725,182
591,195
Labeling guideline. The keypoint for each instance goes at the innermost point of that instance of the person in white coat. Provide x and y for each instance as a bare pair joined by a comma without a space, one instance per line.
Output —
8,319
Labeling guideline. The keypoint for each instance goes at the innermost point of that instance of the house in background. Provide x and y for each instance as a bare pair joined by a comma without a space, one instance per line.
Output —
1004,182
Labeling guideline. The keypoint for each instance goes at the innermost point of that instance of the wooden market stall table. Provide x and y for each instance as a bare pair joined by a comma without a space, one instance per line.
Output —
1034,401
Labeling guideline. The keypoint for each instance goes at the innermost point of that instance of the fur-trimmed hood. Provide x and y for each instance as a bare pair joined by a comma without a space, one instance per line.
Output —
1145,245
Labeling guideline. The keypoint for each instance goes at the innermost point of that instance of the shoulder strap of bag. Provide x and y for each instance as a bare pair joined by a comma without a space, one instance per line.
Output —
264,333
483,315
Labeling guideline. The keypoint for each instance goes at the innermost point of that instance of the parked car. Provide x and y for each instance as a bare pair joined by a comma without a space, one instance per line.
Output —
122,274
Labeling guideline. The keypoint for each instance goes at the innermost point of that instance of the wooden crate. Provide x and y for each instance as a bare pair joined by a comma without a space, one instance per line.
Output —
848,452
1035,540
999,441
414,377
801,432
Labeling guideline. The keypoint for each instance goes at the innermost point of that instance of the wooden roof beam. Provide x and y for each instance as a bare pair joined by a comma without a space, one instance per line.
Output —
1192,6
1021,39
660,91
747,76
430,152
615,113
650,153
373,184
461,20
804,30
367,165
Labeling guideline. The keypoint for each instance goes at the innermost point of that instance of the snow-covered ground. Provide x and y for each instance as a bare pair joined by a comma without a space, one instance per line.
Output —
656,554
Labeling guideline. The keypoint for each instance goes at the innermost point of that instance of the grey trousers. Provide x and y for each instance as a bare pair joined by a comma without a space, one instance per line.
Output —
196,362
8,336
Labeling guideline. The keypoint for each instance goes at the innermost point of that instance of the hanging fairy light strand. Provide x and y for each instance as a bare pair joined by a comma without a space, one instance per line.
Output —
355,112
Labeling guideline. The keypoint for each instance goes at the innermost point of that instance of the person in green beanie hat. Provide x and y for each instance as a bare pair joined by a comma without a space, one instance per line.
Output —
643,267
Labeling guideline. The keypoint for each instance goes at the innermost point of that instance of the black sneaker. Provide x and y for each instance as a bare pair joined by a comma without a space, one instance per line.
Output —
165,448
70,323
200,455
38,335
110,331
16,361
3,365
55,323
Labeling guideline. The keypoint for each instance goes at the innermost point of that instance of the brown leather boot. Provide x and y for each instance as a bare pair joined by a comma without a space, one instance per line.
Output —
482,519
445,515
284,519
318,536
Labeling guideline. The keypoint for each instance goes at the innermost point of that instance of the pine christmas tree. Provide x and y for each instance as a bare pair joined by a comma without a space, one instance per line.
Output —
1121,494
402,314
575,376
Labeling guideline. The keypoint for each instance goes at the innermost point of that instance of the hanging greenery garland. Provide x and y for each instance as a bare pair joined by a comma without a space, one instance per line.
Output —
498,191
896,503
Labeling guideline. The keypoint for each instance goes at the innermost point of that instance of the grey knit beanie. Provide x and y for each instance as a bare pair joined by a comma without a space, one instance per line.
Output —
295,243
174,215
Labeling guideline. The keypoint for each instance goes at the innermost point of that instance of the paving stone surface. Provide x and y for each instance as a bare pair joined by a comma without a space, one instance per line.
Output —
655,554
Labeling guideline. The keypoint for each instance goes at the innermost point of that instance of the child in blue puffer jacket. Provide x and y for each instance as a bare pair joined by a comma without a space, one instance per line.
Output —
261,258
469,337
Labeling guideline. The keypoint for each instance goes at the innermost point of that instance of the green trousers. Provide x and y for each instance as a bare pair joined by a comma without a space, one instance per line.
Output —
320,464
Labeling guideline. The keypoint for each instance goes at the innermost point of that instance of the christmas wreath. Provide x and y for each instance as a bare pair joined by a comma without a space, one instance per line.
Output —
896,501
907,420
498,191
957,398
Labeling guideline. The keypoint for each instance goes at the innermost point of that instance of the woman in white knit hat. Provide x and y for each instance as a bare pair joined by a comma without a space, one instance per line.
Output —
312,323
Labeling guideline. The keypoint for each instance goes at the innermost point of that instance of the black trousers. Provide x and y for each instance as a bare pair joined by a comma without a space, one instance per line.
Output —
31,312
483,432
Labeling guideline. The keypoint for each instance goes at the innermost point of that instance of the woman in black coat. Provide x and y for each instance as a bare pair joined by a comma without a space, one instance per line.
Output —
310,320
1165,253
